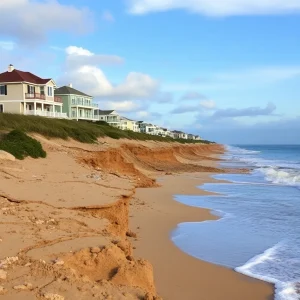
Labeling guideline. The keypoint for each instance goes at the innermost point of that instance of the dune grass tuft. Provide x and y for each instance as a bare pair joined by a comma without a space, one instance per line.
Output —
20,145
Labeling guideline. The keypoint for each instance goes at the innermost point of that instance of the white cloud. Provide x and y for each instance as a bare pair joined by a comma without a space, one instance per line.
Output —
120,106
217,7
78,51
108,17
78,56
7,45
143,114
208,104
83,71
29,21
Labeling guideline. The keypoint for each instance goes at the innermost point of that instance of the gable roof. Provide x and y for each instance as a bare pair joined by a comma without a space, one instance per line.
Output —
67,90
104,112
20,76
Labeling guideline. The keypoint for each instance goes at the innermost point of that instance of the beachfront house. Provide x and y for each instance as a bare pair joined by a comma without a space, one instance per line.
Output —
148,128
76,104
128,124
176,134
179,135
160,131
109,116
27,94
166,132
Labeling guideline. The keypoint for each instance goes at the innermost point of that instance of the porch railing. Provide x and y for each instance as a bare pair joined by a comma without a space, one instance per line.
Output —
58,99
44,113
42,97
35,96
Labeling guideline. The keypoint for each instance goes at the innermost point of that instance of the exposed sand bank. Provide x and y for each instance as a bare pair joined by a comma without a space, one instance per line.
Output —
66,230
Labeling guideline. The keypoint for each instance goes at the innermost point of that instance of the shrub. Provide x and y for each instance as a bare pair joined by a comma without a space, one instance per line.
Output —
21,145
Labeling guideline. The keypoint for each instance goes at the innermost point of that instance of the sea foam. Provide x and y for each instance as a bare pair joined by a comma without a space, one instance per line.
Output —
284,290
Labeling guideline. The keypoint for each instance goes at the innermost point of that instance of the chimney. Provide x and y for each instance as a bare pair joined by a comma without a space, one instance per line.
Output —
11,68
70,85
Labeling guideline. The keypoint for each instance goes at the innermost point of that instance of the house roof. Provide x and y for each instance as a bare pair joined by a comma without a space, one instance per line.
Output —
20,76
67,90
124,118
176,131
104,112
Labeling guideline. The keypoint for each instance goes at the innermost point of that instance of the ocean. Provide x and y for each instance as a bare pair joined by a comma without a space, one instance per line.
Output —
258,233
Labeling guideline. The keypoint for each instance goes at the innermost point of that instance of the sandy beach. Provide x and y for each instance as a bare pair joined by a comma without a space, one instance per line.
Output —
92,222
178,275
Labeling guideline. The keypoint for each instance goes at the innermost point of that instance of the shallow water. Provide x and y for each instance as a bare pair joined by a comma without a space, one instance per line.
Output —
259,230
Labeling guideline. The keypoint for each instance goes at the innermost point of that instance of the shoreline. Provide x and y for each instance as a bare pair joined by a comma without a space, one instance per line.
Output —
94,215
178,275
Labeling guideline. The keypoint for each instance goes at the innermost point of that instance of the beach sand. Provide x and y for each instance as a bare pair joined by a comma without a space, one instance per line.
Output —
178,275
68,224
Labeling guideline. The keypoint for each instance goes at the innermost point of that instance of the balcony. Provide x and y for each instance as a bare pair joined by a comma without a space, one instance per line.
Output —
35,96
42,97
45,113
58,99
83,103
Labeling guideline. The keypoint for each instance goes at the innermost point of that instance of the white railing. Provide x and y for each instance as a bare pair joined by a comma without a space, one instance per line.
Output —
45,113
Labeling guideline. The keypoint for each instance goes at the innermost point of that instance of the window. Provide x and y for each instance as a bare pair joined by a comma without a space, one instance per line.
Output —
1,108
3,90
30,89
50,91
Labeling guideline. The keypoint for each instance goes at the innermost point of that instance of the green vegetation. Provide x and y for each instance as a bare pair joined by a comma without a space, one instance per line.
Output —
20,145
83,131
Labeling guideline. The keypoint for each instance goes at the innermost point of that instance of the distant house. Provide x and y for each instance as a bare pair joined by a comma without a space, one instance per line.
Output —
166,132
128,124
160,131
148,128
109,116
76,104
179,135
190,136
27,94
197,137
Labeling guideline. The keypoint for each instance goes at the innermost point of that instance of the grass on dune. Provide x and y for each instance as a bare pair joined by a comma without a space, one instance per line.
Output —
82,131
20,145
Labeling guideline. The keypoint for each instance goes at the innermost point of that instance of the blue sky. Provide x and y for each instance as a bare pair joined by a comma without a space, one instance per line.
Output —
228,70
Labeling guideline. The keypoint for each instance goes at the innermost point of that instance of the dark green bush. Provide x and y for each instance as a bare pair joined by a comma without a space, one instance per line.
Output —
21,145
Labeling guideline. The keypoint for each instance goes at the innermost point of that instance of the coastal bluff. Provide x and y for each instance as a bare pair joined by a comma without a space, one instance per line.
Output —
65,230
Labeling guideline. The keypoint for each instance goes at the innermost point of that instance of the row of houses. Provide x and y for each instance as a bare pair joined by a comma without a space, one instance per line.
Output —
27,94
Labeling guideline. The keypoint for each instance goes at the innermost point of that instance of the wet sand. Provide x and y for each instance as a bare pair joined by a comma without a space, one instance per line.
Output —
178,275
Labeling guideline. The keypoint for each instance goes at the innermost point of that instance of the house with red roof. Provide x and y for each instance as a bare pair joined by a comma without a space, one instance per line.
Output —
27,94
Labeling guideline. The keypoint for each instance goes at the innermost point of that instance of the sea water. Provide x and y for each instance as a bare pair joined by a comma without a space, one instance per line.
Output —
258,233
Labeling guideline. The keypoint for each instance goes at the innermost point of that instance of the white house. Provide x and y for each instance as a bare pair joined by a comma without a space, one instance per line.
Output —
109,116
148,128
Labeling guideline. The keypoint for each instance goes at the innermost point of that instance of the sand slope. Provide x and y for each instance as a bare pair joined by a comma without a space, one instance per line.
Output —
64,222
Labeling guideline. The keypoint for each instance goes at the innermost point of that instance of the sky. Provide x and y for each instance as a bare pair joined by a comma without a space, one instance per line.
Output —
228,70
